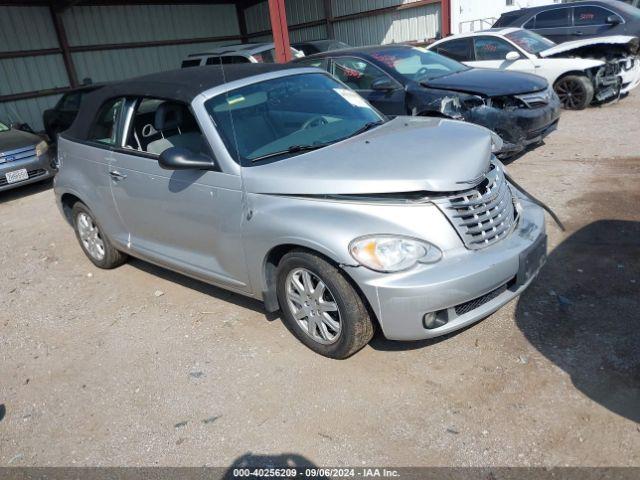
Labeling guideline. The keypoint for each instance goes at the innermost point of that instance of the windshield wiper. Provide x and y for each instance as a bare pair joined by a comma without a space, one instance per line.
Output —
291,149
366,127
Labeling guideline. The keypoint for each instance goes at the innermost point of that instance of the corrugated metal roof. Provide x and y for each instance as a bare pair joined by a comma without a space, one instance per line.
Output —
89,25
298,11
394,27
341,7
27,111
111,65
308,33
26,28
25,74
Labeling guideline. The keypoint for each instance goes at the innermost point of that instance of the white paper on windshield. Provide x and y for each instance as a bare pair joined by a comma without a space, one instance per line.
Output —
352,97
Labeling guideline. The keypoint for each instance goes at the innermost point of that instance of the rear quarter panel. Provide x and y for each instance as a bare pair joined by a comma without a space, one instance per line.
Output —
84,173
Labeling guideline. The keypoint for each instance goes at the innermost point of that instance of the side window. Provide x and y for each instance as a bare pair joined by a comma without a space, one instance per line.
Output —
233,59
491,48
105,125
192,63
584,16
459,50
159,124
356,73
265,57
531,24
556,18
313,62
70,102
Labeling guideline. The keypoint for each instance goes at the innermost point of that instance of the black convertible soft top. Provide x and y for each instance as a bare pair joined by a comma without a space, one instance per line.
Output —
180,85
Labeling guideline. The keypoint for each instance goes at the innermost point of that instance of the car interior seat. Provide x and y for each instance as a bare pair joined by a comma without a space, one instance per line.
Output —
177,128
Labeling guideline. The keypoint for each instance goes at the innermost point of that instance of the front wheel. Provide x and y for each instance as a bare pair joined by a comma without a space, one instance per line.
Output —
575,92
320,307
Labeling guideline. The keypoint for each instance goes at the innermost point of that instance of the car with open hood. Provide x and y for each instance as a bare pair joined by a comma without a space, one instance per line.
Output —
406,80
582,72
24,158
282,184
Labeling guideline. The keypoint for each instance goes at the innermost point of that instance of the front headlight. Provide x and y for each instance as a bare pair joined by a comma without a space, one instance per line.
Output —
392,253
42,148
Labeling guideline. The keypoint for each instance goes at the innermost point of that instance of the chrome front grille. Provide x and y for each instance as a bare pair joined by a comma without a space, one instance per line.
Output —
485,214
17,154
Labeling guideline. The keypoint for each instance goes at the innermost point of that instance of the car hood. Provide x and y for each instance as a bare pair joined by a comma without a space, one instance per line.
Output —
489,82
14,139
407,154
631,43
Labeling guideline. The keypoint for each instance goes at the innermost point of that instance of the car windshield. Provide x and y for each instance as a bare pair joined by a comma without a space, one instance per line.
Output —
286,116
3,127
529,41
417,63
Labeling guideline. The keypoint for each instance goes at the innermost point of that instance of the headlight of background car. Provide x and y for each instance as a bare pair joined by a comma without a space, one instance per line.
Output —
391,253
42,148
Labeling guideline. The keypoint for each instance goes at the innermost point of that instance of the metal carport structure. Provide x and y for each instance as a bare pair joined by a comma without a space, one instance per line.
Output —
49,46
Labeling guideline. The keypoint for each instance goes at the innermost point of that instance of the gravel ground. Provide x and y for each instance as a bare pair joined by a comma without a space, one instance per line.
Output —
141,367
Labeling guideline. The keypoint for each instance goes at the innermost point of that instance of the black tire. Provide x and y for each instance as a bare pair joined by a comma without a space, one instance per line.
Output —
576,92
356,326
112,257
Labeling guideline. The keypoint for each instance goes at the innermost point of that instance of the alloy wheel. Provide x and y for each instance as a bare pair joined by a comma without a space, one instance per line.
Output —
572,94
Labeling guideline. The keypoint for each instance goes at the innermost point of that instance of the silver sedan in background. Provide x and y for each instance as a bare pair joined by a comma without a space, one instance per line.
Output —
24,158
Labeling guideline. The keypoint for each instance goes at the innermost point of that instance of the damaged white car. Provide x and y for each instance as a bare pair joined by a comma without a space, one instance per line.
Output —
592,70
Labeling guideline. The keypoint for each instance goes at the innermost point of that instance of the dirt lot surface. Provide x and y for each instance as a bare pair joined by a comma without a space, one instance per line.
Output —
140,366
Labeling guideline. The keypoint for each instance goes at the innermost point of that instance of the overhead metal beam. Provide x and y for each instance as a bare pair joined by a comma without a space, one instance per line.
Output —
34,94
61,34
445,20
30,53
242,21
328,16
280,29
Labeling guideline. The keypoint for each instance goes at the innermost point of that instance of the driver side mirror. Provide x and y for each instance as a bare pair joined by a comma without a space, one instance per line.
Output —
383,84
512,56
177,158
613,20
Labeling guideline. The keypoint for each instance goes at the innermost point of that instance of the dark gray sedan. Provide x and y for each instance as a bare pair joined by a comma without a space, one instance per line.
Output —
24,158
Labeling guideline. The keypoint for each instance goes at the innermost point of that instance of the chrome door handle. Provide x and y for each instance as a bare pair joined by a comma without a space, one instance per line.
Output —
117,176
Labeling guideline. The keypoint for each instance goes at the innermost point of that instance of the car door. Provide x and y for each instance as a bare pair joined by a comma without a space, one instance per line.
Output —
365,78
593,21
555,23
187,220
491,52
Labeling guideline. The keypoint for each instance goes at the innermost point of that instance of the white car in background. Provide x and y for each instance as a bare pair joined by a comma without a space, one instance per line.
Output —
581,71
240,53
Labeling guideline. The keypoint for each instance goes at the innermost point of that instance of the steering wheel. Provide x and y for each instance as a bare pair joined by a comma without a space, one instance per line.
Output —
421,72
313,122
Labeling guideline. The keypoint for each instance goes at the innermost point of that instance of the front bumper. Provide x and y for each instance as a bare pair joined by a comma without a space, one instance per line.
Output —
630,75
519,128
38,169
463,288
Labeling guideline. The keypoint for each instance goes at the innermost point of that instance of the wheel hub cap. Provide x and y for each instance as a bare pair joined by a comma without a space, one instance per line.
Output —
313,306
90,236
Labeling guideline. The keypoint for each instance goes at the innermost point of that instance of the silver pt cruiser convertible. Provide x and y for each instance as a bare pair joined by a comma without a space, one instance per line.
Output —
282,184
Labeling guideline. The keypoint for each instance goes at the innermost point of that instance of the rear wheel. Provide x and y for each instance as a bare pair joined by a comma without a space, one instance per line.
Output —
93,241
575,92
320,307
